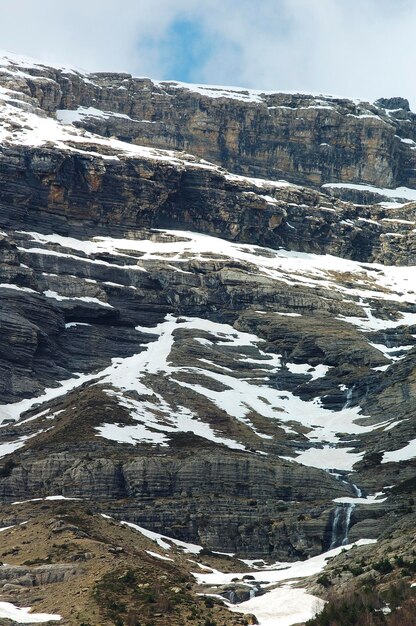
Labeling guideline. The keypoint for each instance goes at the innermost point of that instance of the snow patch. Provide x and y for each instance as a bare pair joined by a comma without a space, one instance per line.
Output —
281,607
69,116
165,542
23,615
399,193
285,571
406,453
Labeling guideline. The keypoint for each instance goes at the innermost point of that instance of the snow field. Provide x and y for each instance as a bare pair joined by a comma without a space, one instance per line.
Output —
281,571
372,281
284,605
23,615
156,419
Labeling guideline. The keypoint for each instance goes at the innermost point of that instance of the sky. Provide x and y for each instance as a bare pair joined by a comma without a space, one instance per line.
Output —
356,48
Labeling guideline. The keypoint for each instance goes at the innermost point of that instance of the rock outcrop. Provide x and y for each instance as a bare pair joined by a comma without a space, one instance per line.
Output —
306,139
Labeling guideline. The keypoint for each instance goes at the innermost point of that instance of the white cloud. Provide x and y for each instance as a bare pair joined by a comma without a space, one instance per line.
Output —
356,48
91,34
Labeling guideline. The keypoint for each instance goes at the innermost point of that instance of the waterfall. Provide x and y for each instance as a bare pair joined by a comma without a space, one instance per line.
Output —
357,490
341,525
348,400
341,520
335,524
252,593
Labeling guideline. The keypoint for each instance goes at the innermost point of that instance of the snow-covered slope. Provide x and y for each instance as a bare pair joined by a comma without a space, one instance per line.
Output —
369,288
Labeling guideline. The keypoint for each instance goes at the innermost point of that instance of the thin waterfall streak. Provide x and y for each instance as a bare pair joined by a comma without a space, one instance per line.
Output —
349,510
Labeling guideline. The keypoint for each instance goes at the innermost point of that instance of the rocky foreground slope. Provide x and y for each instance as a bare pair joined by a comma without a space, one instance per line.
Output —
193,345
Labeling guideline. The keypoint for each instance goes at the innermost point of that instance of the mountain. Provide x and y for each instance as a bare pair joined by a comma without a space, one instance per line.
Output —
207,341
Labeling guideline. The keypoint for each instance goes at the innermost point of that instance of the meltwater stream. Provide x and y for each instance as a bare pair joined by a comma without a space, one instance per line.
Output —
341,525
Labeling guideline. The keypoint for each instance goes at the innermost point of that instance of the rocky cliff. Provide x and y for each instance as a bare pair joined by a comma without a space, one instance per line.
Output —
307,139
190,343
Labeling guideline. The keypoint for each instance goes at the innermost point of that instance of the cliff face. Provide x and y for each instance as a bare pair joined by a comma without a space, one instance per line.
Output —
189,342
53,175
81,188
306,139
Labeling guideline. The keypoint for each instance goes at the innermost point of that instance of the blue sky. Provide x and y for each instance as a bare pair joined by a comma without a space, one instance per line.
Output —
184,49
357,48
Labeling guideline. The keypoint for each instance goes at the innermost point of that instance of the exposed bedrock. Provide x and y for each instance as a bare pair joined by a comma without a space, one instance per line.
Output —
227,502
300,137
72,194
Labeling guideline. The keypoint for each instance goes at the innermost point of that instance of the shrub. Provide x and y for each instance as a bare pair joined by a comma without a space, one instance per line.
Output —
384,566
129,578
324,581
